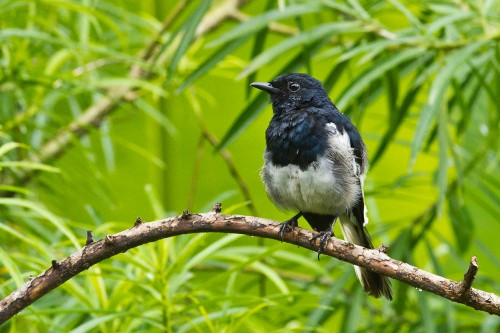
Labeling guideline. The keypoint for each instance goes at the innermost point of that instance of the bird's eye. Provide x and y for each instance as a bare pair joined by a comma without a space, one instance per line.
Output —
293,87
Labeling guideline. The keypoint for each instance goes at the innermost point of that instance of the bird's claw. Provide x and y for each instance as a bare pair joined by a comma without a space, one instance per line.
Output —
324,237
288,224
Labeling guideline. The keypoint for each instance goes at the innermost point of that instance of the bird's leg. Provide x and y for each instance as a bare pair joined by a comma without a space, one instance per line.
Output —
324,236
289,224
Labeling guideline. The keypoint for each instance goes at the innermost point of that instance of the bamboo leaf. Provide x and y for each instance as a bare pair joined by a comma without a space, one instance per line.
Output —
305,38
56,221
28,165
6,34
393,128
334,75
376,71
210,250
257,23
5,148
272,276
131,84
426,313
157,116
408,14
189,29
350,322
461,223
442,174
436,95
391,80
211,62
327,307
11,268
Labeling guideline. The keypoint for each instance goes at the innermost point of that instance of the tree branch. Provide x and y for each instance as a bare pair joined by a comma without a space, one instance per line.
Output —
142,233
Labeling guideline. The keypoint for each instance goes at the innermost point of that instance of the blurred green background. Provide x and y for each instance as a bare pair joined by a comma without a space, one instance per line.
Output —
115,109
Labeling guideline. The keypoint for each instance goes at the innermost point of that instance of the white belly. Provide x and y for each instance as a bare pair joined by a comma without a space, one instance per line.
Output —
314,190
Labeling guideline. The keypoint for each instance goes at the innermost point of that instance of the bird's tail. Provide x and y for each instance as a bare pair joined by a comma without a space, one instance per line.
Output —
374,284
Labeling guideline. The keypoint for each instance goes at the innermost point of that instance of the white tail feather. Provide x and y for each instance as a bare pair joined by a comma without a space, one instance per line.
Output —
373,283
350,233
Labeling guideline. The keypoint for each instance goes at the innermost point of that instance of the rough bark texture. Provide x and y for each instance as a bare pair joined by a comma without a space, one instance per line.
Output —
141,233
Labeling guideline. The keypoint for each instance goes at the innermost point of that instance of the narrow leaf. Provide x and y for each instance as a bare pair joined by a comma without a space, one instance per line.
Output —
376,72
5,148
253,25
211,62
436,95
443,142
325,31
461,223
28,165
189,28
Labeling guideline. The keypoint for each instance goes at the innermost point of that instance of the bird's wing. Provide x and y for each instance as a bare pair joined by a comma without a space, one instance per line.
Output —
344,125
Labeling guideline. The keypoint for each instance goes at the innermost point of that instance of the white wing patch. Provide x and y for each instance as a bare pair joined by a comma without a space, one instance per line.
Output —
365,210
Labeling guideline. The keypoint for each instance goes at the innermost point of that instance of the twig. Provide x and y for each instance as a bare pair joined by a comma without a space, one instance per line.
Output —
465,286
90,238
214,222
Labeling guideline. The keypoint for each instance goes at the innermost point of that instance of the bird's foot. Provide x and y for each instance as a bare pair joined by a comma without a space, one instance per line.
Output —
324,237
289,224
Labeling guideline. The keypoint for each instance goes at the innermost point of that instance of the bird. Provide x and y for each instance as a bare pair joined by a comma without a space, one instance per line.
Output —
315,163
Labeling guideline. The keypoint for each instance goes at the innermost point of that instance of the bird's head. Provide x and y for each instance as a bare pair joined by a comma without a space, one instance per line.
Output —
293,91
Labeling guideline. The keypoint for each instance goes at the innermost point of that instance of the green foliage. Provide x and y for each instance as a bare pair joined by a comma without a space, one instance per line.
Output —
111,109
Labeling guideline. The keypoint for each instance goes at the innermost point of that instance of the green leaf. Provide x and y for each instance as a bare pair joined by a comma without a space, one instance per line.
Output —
28,34
156,115
55,220
375,72
189,28
210,250
211,62
228,313
408,14
427,317
10,267
272,275
391,80
448,20
250,27
92,323
5,148
350,321
325,31
28,165
461,223
327,308
390,133
334,75
131,84
436,95
442,174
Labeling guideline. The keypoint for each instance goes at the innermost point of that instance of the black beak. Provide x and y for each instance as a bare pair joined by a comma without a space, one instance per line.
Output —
267,87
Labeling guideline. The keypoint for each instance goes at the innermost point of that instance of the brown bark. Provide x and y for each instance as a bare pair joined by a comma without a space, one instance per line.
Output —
141,233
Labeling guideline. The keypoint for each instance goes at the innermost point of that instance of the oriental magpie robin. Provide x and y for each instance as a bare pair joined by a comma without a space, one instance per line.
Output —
315,163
